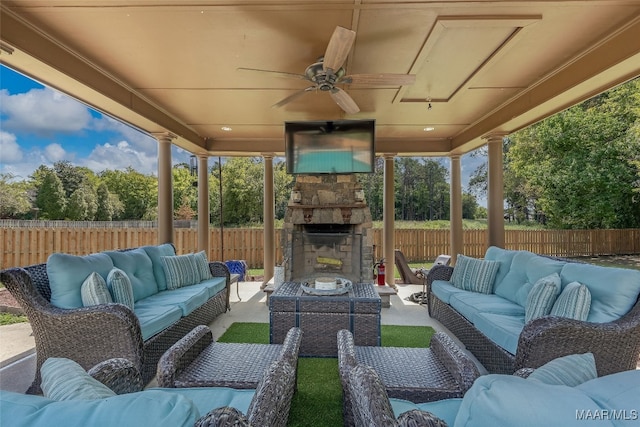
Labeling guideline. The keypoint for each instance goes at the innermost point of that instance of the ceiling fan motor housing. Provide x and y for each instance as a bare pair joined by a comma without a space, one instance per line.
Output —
325,80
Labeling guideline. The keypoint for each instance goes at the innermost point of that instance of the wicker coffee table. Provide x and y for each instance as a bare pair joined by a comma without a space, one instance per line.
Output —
321,317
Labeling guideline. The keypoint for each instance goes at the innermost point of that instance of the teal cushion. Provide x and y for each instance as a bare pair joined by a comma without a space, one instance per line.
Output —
613,290
509,400
523,293
202,265
67,272
120,287
505,257
145,408
616,391
94,291
208,398
502,329
213,285
155,252
180,270
444,290
64,379
570,370
539,267
138,267
514,277
476,275
155,318
187,299
471,303
446,409
542,297
574,302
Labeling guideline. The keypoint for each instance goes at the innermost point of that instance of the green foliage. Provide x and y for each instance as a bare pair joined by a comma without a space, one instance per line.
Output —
14,197
137,192
109,205
83,204
10,319
242,193
50,198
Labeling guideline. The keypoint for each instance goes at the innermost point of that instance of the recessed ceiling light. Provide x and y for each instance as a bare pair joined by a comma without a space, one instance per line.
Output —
428,129
226,128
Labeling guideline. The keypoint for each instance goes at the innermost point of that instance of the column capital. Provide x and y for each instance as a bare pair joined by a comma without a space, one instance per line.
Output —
268,155
202,155
164,136
455,156
495,137
388,156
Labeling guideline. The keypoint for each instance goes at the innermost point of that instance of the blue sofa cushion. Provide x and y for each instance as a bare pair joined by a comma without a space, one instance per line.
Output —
155,252
138,267
515,277
469,304
508,400
606,306
619,392
179,270
446,409
187,299
542,297
472,274
202,265
444,290
65,379
67,272
574,302
539,267
213,285
571,370
208,398
155,318
120,287
145,408
502,329
94,291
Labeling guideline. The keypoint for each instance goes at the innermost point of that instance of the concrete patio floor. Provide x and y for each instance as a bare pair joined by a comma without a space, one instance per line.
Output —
17,353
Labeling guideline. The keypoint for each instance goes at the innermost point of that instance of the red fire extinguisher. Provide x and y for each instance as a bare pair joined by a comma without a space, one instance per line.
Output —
378,269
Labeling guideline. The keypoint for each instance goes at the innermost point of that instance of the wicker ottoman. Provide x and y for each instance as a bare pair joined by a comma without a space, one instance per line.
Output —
197,361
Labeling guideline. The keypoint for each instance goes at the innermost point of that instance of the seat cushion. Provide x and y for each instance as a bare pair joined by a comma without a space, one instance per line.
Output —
469,304
502,329
208,398
613,290
155,252
138,267
188,298
213,285
444,290
155,318
446,409
67,273
618,391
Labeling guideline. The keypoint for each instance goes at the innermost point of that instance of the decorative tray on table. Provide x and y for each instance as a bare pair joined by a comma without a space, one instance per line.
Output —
327,286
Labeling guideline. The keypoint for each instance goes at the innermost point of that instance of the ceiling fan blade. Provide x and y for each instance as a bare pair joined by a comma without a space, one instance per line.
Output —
275,73
344,101
290,98
338,48
379,79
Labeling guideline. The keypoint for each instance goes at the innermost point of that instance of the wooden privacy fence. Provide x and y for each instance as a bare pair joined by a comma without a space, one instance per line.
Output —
21,246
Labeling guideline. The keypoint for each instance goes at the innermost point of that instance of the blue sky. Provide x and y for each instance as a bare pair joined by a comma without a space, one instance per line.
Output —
39,125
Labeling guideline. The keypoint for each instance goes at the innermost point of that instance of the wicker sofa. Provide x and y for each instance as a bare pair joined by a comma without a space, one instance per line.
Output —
492,326
74,402
92,334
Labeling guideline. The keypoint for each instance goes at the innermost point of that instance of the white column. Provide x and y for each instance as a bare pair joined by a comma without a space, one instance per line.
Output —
269,219
455,207
388,211
203,203
495,187
165,188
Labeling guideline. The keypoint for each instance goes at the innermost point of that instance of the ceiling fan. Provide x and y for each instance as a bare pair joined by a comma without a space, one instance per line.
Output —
328,72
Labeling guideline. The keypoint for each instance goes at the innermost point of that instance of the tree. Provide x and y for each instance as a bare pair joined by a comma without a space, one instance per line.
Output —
14,198
242,193
83,204
185,193
109,206
73,177
137,192
50,198
469,206
283,184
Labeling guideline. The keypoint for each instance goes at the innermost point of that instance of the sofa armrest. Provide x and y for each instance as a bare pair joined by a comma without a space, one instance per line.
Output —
119,374
223,417
615,345
459,365
416,417
437,272
182,354
220,269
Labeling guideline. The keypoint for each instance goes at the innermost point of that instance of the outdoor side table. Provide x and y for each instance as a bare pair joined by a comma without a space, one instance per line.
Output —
321,317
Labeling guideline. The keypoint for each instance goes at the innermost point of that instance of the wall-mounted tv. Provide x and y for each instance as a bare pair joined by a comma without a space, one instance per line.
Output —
339,146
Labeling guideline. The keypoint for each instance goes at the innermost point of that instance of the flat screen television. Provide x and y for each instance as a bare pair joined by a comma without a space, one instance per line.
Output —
330,147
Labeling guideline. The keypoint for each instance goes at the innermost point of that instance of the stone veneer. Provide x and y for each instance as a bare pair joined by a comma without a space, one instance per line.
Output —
327,229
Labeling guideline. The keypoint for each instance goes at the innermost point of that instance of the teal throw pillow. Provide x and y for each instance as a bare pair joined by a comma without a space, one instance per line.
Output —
542,296
94,291
202,265
120,287
574,302
64,379
472,274
180,270
571,370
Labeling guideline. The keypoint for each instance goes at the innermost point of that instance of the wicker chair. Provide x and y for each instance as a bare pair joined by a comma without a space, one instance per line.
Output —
615,345
90,335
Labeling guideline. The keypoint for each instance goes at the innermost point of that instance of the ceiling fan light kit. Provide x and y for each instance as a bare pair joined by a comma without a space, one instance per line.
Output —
328,71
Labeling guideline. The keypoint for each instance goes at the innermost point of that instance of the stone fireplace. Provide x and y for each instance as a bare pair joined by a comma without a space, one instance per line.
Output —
327,230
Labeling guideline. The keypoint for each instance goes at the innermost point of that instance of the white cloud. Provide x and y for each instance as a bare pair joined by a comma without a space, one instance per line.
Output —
54,153
120,156
43,112
10,151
